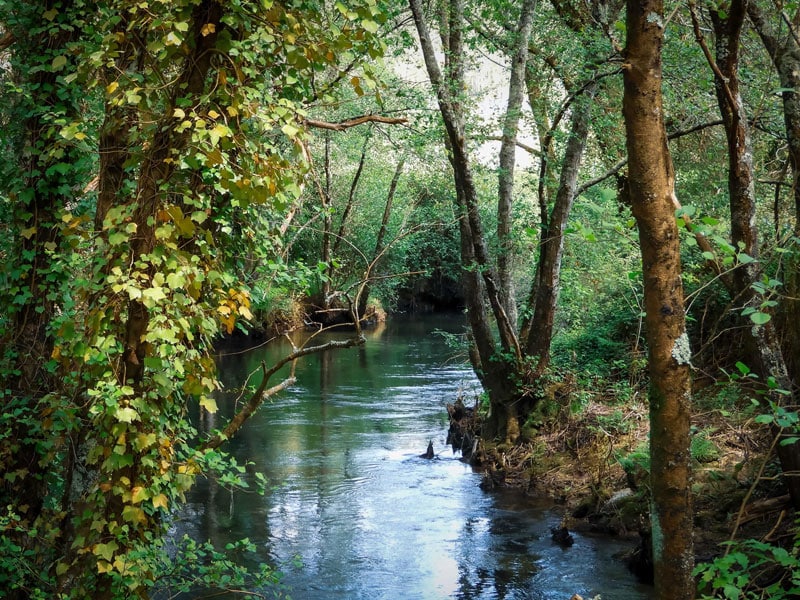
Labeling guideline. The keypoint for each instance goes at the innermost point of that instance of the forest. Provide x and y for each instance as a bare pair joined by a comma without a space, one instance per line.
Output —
608,191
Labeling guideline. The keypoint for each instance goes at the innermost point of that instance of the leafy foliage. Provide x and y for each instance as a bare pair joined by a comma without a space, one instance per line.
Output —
124,264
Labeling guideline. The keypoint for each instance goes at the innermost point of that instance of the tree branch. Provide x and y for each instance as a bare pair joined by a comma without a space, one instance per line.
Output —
617,167
709,58
262,393
7,40
355,121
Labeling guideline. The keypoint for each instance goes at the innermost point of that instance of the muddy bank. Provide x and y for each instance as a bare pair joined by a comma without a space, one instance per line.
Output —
596,466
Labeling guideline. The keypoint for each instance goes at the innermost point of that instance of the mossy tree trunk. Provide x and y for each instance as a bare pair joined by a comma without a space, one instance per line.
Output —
651,186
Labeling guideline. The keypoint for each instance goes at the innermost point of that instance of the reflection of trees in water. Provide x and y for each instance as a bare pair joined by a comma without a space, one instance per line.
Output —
511,574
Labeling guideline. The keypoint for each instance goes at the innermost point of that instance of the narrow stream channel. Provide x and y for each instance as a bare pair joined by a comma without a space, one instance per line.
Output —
354,513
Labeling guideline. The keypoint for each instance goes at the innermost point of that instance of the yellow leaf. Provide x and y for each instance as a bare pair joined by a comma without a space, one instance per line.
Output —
59,62
221,130
213,114
178,113
104,566
160,501
139,494
208,29
208,403
112,87
28,233
105,551
145,440
133,514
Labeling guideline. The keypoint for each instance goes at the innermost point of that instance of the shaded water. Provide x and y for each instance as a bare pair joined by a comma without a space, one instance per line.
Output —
365,516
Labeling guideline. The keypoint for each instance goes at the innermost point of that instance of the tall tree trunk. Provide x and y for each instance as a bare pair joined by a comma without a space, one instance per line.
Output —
651,185
508,146
151,195
537,330
351,197
498,372
380,242
765,349
327,225
785,54
40,196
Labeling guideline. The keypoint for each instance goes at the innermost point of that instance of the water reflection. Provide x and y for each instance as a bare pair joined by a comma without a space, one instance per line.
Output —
368,518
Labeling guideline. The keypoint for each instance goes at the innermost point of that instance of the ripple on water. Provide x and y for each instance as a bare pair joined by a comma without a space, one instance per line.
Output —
368,518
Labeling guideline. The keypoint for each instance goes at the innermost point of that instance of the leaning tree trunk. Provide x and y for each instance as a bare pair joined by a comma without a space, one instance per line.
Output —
505,192
498,373
785,55
537,330
362,298
651,186
765,349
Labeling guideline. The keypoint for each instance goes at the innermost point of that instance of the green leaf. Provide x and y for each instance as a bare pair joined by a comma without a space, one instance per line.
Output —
743,368
175,280
290,130
153,295
759,318
744,258
105,551
58,62
126,414
116,238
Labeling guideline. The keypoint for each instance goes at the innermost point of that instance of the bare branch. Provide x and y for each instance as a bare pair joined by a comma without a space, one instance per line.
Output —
355,121
617,167
262,393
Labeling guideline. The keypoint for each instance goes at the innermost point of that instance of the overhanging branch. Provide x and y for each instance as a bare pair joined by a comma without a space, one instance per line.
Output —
354,122
262,392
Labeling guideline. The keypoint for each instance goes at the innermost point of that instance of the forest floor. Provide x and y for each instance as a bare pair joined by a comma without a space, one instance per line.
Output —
594,461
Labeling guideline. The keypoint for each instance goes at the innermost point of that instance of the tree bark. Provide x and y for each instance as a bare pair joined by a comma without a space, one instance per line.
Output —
651,181
785,54
765,352
537,331
505,192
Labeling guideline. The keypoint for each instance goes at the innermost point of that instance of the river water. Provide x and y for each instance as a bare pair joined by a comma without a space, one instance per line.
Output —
353,512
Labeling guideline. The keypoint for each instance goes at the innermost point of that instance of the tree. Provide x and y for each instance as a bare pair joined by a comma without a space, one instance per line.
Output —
115,300
651,179
766,352
510,365
784,51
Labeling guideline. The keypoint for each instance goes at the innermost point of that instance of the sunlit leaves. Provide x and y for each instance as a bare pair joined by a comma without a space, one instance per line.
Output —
206,169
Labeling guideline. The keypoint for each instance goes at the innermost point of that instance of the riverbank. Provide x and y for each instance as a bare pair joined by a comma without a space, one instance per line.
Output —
594,462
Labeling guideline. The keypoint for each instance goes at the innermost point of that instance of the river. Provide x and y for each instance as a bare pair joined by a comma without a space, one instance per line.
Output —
353,512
